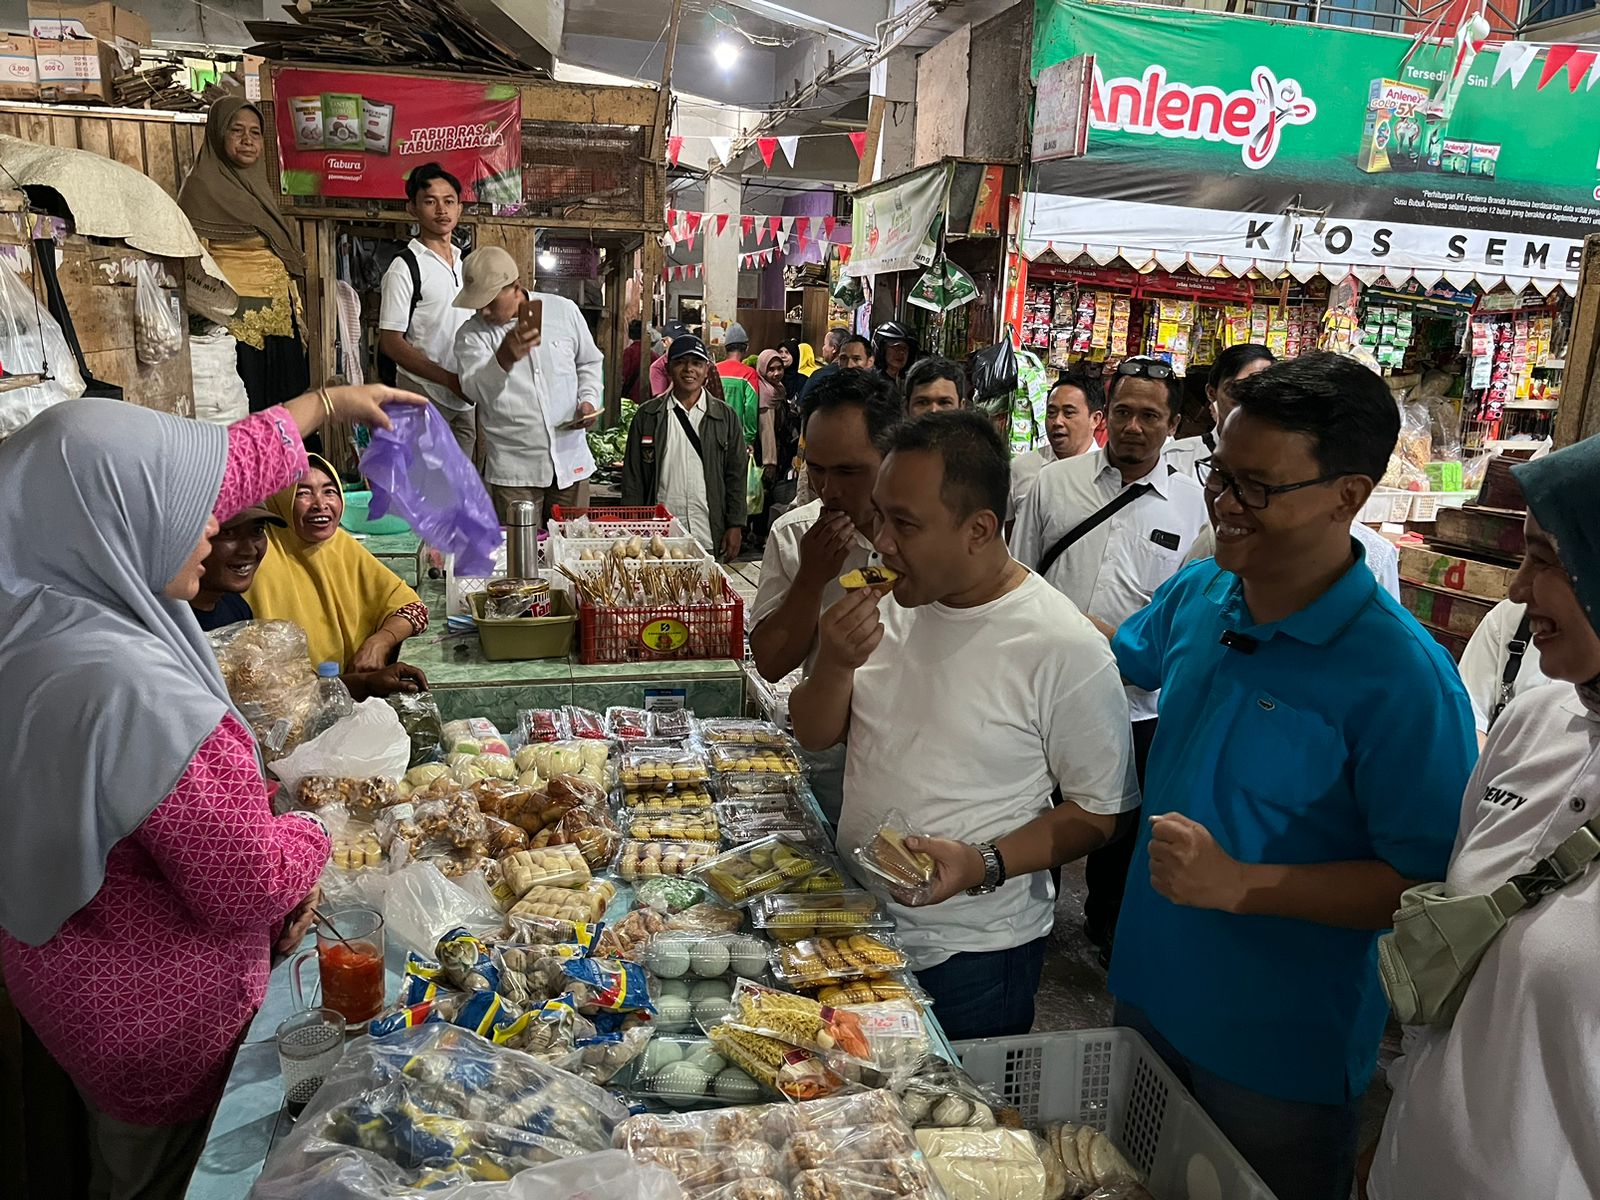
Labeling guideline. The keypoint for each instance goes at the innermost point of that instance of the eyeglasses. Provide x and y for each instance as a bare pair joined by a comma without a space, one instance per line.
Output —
1248,493
1145,368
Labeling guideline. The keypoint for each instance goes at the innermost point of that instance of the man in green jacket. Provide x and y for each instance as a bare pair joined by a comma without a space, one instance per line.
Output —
741,386
687,450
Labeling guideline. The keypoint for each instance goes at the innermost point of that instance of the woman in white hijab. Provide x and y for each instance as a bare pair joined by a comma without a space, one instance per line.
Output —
143,876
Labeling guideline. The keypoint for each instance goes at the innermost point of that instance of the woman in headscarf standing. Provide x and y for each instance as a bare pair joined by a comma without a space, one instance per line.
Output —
230,204
1506,1100
144,879
356,612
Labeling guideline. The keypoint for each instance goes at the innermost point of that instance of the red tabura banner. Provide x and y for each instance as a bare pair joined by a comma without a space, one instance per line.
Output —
360,136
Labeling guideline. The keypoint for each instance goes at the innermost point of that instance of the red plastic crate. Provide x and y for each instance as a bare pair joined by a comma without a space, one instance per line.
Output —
663,632
657,512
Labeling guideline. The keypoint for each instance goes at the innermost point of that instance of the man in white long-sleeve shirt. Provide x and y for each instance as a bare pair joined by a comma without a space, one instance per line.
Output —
537,385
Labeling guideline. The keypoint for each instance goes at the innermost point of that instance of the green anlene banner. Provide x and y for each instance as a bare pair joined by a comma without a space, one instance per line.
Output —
1252,139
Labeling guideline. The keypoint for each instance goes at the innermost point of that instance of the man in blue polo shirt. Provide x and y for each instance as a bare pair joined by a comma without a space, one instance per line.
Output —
1314,746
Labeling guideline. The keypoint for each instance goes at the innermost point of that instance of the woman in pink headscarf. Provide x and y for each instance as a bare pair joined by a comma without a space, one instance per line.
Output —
770,368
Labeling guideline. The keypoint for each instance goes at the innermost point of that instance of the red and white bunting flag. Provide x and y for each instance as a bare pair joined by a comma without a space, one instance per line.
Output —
1578,66
773,224
788,226
672,218
723,148
789,145
802,226
768,147
858,139
747,224
829,224
674,148
1555,58
722,223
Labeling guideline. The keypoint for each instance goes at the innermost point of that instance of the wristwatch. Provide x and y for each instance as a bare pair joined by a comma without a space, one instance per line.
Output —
994,870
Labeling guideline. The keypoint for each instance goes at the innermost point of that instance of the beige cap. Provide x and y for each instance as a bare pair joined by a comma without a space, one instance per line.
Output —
485,271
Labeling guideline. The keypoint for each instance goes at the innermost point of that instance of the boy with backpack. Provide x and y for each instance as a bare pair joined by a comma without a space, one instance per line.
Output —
418,320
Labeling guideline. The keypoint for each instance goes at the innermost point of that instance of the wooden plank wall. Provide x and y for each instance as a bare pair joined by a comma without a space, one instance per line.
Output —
1579,414
155,144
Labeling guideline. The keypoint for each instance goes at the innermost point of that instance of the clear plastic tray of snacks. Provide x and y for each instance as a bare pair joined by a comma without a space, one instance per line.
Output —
910,873
641,860
746,820
742,731
690,797
543,725
673,724
853,909
655,770
679,954
688,1072
830,879
820,960
771,864
747,785
792,1072
688,825
731,759
629,724
690,1003
871,989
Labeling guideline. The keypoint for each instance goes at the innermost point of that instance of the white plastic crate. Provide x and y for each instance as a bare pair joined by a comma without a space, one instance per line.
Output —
1112,1079
558,550
1425,506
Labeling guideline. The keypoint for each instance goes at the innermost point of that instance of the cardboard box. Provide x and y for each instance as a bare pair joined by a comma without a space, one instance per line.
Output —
19,68
1423,564
1392,131
79,69
75,22
251,69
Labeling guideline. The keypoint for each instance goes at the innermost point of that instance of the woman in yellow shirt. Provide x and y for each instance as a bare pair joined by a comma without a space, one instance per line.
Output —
230,205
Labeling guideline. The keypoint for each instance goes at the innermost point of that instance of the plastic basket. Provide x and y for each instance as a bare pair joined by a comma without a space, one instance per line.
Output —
664,632
520,638
630,521
1112,1079
558,550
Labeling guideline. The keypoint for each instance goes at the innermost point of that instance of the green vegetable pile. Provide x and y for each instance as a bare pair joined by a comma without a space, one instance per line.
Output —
608,445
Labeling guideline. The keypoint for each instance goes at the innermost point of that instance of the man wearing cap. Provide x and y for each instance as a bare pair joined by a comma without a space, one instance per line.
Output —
536,379
741,386
230,568
687,450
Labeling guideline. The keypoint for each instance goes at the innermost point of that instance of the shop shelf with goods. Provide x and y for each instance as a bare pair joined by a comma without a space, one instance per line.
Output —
1516,352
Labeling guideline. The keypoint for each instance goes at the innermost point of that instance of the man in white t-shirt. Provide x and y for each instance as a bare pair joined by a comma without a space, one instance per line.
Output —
536,384
417,325
808,548
968,696
1075,412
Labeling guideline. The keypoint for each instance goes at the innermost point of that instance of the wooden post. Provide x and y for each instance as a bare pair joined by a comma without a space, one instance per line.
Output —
652,259
1579,414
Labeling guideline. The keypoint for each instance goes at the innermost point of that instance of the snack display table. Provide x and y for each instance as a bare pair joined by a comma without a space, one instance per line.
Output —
251,1118
466,684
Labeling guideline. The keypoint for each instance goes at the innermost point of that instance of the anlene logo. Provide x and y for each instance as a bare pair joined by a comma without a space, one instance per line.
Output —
1153,104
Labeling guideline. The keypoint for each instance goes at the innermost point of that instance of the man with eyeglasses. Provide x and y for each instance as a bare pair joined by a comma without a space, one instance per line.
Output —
1313,748
1106,529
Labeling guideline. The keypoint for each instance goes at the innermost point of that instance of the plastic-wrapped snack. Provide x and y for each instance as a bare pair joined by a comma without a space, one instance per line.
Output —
698,825
629,724
458,863
608,985
707,918
688,1072
798,1020
482,1012
832,960
1091,1159
591,829
540,931
640,860
669,894
828,880
510,802
504,837
530,975
846,1147
673,724
455,822
399,832
599,1058
673,954
362,797
542,725
744,785
466,963
357,848
746,820
747,872
577,789
871,989
267,668
672,799
585,724
474,736
423,774
742,731
789,1072
853,909
895,1033
904,1176
650,770
731,759
587,903
419,717
629,937
909,873
549,1031
939,1093
553,866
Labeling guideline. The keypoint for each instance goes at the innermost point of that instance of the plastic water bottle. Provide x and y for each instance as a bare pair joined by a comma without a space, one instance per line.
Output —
334,701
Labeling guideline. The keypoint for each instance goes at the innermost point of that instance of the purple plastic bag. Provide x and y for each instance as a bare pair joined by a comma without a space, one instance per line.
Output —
417,470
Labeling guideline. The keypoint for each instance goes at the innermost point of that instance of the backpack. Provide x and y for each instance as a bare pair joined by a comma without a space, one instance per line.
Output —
388,369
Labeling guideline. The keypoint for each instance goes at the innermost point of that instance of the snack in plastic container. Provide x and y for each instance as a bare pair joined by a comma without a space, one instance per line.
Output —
577,789
730,759
552,866
746,820
453,823
707,918
790,1072
628,724
871,989
747,872
798,1020
673,724
695,825
939,1093
688,1072
826,881
542,725
688,798
475,735
910,873
674,954
585,724
743,785
504,837
854,909
822,960
587,903
357,848
638,860
975,1164
669,894
630,937
653,770
741,731
590,829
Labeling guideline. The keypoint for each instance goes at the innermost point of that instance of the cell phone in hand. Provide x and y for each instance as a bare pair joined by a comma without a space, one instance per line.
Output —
530,316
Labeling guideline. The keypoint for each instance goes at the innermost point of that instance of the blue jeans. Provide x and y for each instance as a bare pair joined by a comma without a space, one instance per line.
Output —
986,994
1301,1151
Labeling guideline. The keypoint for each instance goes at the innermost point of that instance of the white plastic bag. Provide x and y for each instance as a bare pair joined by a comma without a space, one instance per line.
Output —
369,743
31,343
219,395
420,906
157,319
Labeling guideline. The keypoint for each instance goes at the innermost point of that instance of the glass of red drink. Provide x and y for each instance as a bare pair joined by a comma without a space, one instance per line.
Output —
349,964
